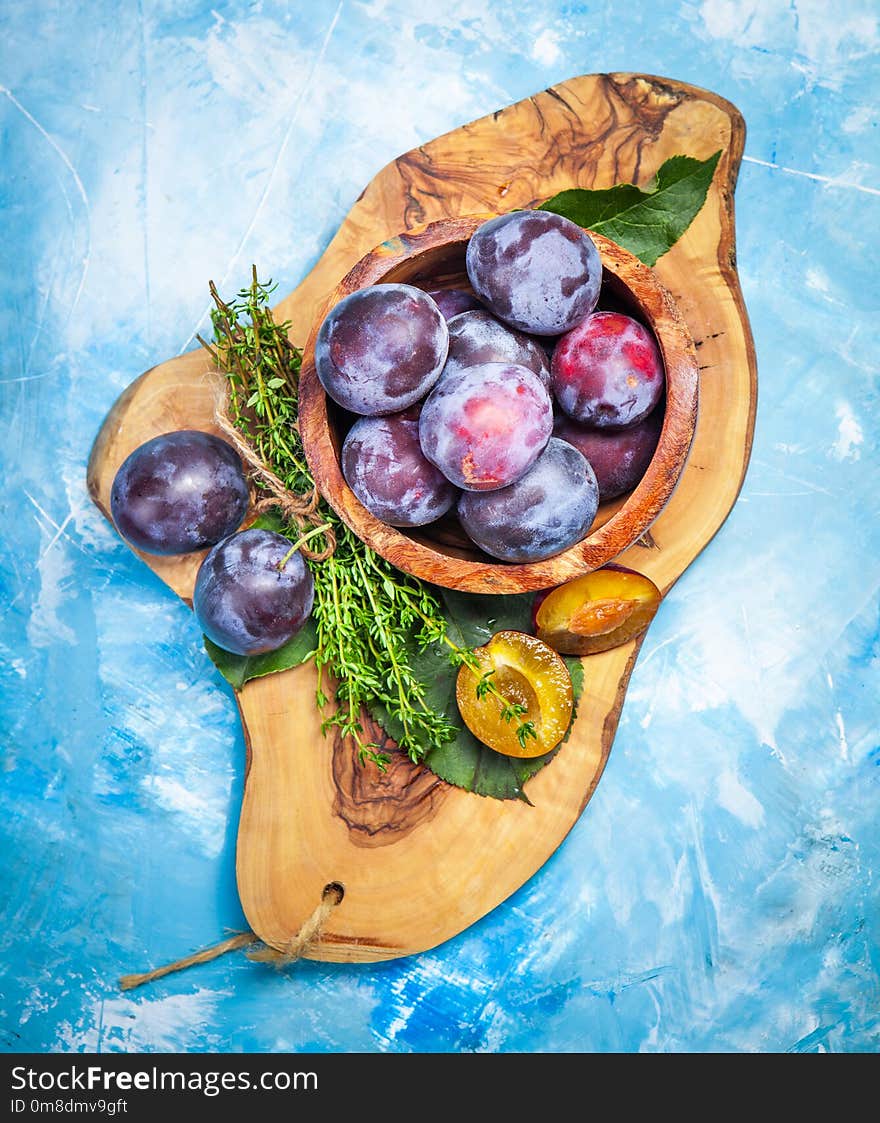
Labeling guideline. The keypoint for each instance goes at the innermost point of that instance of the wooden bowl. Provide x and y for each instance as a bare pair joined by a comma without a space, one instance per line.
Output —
433,257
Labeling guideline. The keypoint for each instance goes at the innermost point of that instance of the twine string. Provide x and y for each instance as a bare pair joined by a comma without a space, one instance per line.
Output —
301,510
239,940
293,950
299,942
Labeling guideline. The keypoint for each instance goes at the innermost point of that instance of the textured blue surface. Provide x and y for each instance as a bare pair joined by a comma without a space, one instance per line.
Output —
721,891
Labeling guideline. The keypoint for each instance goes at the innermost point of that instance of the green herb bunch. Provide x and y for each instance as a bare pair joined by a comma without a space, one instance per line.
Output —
365,610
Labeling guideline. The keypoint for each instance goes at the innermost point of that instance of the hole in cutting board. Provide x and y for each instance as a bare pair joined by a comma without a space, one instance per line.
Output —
333,891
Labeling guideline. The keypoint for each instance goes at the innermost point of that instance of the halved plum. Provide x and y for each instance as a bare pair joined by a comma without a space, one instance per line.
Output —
593,613
526,673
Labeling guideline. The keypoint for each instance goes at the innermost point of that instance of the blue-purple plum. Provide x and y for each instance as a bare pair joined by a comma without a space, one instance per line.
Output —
484,426
619,457
452,302
549,509
383,464
179,492
607,371
381,349
537,271
248,602
479,337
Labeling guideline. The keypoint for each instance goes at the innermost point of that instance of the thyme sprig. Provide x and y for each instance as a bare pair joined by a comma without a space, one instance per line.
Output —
365,610
510,711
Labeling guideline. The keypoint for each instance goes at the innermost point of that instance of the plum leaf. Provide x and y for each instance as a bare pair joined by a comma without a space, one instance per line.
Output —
646,221
464,761
239,669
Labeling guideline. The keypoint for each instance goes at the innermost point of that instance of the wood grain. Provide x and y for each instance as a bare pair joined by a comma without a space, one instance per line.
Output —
419,860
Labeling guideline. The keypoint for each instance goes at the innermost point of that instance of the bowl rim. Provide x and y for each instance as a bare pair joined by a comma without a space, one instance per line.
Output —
625,526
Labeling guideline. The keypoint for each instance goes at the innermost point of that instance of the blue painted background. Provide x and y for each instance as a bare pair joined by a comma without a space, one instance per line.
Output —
721,891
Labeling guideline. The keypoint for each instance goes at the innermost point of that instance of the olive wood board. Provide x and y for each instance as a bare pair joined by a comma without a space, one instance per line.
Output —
421,860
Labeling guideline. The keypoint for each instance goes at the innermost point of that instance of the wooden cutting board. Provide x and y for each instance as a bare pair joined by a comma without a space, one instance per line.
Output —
418,859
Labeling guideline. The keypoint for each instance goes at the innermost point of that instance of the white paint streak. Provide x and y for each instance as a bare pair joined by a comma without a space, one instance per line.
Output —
734,797
293,115
76,179
841,735
732,20
829,181
808,484
546,48
94,533
818,281
816,39
849,434
58,533
718,659
59,528
164,1025
198,803
860,118
45,626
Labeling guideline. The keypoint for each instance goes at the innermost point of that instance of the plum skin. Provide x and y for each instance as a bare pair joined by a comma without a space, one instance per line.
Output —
478,337
607,371
383,464
381,349
537,271
452,302
619,457
243,602
179,492
484,426
547,510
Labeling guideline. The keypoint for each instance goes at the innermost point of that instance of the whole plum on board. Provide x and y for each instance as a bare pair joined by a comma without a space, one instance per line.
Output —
484,426
549,509
537,271
607,371
179,492
383,464
381,349
248,602
619,457
452,302
478,337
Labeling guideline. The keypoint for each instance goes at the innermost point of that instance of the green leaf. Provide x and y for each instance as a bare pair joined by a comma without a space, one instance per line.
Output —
474,618
464,761
647,221
468,764
239,669
271,519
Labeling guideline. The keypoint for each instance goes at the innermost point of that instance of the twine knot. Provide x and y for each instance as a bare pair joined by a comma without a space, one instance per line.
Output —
301,510
294,949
